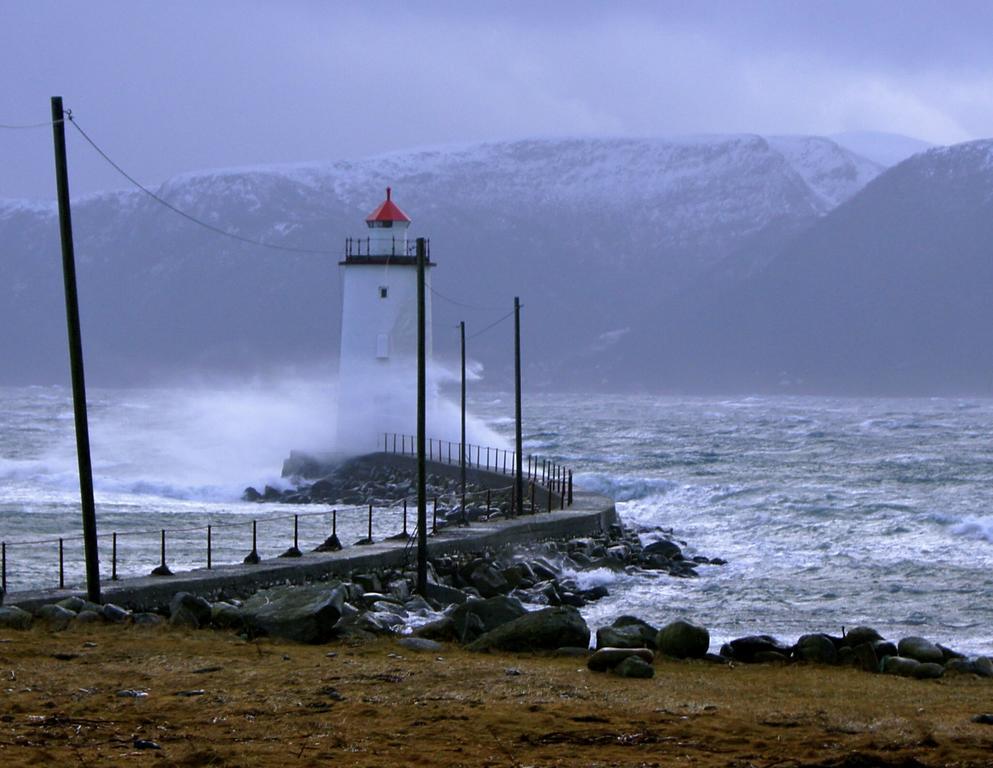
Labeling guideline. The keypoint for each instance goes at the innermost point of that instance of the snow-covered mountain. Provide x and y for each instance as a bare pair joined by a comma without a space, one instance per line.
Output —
595,235
889,293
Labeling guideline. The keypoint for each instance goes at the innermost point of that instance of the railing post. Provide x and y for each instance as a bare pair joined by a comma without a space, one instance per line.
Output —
487,502
505,461
252,558
434,516
162,569
294,551
62,574
487,458
331,543
532,497
210,548
549,499
405,517
3,567
570,487
113,556
370,523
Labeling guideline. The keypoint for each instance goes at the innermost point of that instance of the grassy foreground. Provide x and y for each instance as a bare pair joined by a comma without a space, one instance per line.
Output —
214,699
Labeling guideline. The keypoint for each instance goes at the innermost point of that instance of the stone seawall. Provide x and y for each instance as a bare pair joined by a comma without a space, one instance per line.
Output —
590,513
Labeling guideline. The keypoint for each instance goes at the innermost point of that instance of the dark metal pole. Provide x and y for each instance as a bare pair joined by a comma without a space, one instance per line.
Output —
422,501
519,482
90,549
462,443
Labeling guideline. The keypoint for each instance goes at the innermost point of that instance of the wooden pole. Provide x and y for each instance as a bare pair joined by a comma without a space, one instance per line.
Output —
462,452
519,469
422,502
91,552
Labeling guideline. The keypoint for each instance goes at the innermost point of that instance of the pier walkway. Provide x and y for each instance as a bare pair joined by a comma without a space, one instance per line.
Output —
589,513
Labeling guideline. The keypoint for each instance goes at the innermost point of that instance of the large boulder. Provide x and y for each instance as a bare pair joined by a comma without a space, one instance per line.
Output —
898,665
622,637
755,649
636,633
607,658
186,610
306,614
477,617
983,666
859,635
818,648
12,617
666,549
683,640
920,649
489,580
225,616
929,671
543,630
634,666
55,617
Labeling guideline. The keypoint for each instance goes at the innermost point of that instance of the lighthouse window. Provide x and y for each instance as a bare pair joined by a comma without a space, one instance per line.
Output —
383,291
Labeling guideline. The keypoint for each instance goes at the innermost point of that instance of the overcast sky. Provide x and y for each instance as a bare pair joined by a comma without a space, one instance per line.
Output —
167,87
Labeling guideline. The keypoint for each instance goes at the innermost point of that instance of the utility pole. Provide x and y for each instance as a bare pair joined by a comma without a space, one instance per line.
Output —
76,358
422,500
462,443
519,482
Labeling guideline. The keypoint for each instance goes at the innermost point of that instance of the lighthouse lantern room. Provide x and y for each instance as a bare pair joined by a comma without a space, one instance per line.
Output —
377,363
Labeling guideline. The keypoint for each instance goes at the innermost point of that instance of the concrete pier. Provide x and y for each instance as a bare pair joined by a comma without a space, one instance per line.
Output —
590,513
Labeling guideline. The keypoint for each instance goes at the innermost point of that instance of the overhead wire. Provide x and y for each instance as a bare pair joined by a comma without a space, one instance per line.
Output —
28,126
184,214
491,325
463,304
226,233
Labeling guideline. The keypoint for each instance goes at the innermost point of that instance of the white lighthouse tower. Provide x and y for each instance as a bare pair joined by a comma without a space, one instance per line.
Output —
377,364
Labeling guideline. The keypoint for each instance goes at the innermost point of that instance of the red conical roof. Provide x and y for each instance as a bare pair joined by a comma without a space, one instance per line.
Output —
387,211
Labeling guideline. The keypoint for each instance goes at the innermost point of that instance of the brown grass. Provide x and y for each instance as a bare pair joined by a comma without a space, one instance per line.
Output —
269,703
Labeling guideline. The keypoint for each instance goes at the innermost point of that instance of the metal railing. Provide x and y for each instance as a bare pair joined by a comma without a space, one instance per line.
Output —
549,487
206,546
552,479
371,247
540,472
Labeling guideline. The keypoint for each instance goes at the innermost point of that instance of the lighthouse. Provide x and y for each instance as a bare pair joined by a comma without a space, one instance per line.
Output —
377,363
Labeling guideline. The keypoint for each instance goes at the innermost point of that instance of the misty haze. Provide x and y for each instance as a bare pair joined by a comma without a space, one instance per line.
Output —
752,244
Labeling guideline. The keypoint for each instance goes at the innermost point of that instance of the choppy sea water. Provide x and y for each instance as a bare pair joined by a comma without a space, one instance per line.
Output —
830,512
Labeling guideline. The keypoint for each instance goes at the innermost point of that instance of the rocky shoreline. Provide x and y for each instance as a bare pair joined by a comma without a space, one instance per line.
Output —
520,600
516,601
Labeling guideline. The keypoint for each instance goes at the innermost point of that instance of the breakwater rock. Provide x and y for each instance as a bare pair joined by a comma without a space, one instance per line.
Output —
368,480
